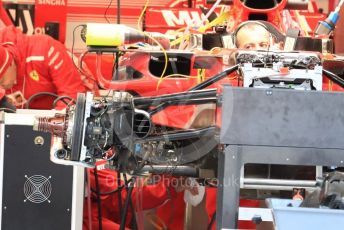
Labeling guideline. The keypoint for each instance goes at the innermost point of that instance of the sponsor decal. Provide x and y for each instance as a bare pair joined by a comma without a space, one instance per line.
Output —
181,17
52,2
22,16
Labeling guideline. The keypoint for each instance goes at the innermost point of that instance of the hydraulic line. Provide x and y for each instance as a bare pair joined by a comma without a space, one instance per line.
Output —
333,77
200,86
153,101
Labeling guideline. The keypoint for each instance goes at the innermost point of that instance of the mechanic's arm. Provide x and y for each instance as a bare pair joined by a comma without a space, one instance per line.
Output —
63,73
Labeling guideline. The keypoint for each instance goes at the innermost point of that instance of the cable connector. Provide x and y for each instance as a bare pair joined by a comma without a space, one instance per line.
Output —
327,26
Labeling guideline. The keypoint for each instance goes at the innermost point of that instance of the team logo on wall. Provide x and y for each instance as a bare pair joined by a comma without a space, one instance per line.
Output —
37,189
52,2
22,16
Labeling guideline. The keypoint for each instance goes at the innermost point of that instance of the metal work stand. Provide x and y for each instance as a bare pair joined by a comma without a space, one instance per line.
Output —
275,127
35,193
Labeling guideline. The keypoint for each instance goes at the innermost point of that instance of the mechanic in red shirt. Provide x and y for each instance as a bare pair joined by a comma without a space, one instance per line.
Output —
35,64
153,195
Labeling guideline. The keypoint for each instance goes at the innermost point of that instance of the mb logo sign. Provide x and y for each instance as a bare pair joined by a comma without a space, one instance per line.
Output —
22,16
181,17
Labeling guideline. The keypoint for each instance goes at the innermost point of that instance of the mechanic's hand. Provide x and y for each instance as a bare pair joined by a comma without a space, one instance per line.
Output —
17,98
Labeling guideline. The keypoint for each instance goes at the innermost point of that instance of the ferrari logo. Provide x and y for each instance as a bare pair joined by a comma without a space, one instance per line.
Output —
34,75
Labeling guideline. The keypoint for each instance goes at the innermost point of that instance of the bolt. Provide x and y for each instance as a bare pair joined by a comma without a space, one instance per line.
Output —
7,135
68,210
61,153
39,140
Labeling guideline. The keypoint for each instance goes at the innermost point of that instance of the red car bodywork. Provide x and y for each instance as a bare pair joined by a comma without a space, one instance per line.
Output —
152,85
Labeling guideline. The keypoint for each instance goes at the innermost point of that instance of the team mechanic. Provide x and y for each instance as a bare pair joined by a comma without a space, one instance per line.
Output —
34,64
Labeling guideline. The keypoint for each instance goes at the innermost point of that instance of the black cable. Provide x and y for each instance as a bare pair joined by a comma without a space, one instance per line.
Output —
213,218
119,194
215,78
118,12
181,135
106,193
201,101
126,204
34,96
189,3
200,86
8,110
178,170
99,204
81,69
126,181
105,13
73,42
82,60
334,77
115,74
62,98
171,98
184,102
133,219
